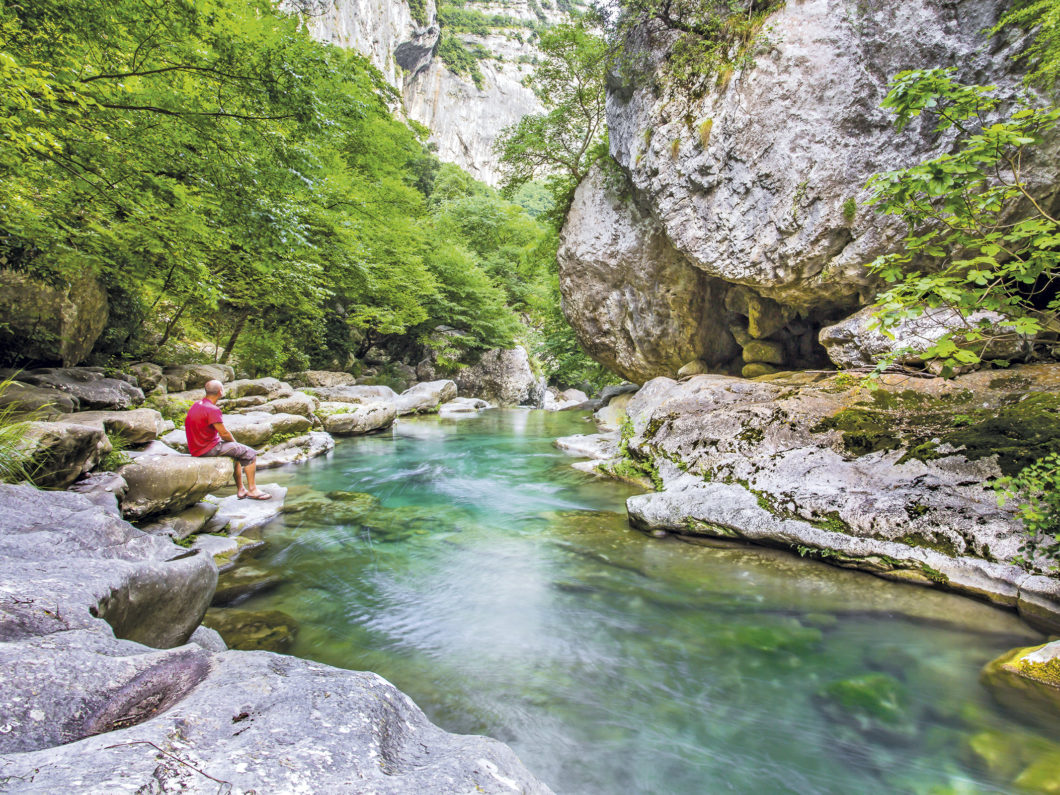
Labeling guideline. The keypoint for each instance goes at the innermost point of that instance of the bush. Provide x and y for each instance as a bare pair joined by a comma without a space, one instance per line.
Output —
1037,488
16,457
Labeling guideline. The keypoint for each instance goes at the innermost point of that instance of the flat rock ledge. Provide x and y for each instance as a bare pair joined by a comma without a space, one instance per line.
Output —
111,685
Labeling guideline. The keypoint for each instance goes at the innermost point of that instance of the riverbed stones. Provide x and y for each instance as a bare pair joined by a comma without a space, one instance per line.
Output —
463,405
348,419
883,480
502,376
105,489
183,524
37,402
297,450
425,397
1028,681
161,484
60,452
135,427
88,385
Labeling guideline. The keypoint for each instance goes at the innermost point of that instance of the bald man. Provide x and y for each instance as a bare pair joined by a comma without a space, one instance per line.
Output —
208,436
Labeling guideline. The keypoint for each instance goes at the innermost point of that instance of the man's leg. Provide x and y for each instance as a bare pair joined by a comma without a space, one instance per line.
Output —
251,469
240,491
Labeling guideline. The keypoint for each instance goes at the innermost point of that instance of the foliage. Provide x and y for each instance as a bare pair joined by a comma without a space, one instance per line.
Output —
116,457
713,38
561,144
1037,490
16,457
1043,55
460,58
977,238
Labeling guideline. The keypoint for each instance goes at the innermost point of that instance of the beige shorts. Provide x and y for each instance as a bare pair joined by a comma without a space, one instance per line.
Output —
240,452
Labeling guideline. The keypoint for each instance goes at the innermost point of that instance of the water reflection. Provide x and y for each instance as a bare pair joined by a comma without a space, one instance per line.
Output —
506,594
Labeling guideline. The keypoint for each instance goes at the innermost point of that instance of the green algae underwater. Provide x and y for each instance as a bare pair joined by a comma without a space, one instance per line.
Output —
468,563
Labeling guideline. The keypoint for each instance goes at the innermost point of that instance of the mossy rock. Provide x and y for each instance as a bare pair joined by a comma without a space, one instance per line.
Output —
269,630
242,582
1019,758
873,703
1028,681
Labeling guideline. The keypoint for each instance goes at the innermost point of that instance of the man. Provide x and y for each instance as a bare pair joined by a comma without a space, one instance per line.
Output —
207,436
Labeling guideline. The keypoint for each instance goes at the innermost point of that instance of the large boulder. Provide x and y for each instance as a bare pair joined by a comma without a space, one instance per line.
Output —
51,323
297,450
347,419
355,394
321,378
60,452
96,679
425,397
502,376
857,341
138,426
298,403
183,377
183,524
169,483
148,375
878,480
38,402
754,183
88,385
236,516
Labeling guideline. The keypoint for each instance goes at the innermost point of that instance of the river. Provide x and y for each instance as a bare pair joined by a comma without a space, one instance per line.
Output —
506,594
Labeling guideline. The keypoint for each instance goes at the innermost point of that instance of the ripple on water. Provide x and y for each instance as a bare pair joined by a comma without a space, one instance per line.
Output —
506,593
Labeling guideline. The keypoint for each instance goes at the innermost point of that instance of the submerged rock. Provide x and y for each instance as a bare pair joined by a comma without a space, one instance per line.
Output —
1028,681
268,630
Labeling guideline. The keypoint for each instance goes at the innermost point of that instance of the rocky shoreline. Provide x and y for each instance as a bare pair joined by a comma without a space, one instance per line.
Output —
893,481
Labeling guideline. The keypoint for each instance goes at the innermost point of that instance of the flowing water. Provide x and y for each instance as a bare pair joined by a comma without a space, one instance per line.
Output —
505,593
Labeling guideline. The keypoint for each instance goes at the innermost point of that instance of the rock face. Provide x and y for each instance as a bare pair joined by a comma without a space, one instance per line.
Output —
51,324
87,385
60,452
501,376
882,481
87,701
753,184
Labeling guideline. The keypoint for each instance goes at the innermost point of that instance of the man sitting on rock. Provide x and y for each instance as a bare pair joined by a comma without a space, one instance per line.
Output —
207,436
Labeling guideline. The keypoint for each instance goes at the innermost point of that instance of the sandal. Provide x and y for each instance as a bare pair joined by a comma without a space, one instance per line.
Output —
263,495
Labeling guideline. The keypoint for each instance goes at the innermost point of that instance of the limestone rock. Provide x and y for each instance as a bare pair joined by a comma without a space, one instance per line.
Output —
764,351
254,630
356,394
39,402
612,415
757,369
425,397
183,377
87,385
243,582
321,378
60,452
170,483
299,403
346,419
135,427
186,523
104,489
52,323
597,446
463,405
637,306
148,375
235,516
501,376
694,367
1028,681
854,342
297,450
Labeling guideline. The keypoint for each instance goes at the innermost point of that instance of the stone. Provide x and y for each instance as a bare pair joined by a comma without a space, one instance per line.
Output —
224,550
854,342
148,375
235,516
37,402
611,416
464,405
186,523
597,446
694,367
155,448
573,396
246,387
1028,681
171,483
554,401
252,429
638,307
185,377
299,403
52,322
88,602
241,583
763,351
135,427
60,452
321,378
104,489
105,573
346,419
502,376
88,385
177,440
297,450
425,397
356,394
757,369
253,630
230,404
869,478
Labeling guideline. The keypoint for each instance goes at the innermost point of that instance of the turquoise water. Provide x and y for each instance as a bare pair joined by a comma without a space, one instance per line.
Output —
505,593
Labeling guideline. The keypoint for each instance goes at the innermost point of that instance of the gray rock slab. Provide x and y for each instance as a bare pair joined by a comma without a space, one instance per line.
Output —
235,516
169,483
90,387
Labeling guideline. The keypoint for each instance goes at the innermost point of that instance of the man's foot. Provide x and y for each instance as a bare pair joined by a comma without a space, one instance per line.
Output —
241,495
259,495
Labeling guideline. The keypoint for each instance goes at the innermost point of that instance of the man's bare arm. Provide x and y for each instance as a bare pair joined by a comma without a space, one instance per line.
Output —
223,431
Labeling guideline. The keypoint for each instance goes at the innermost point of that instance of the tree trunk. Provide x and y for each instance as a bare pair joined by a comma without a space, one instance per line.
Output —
172,322
235,336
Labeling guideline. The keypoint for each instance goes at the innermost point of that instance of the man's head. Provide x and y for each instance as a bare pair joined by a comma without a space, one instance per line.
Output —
214,390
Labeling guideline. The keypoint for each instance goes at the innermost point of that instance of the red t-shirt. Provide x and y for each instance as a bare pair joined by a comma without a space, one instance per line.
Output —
198,426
